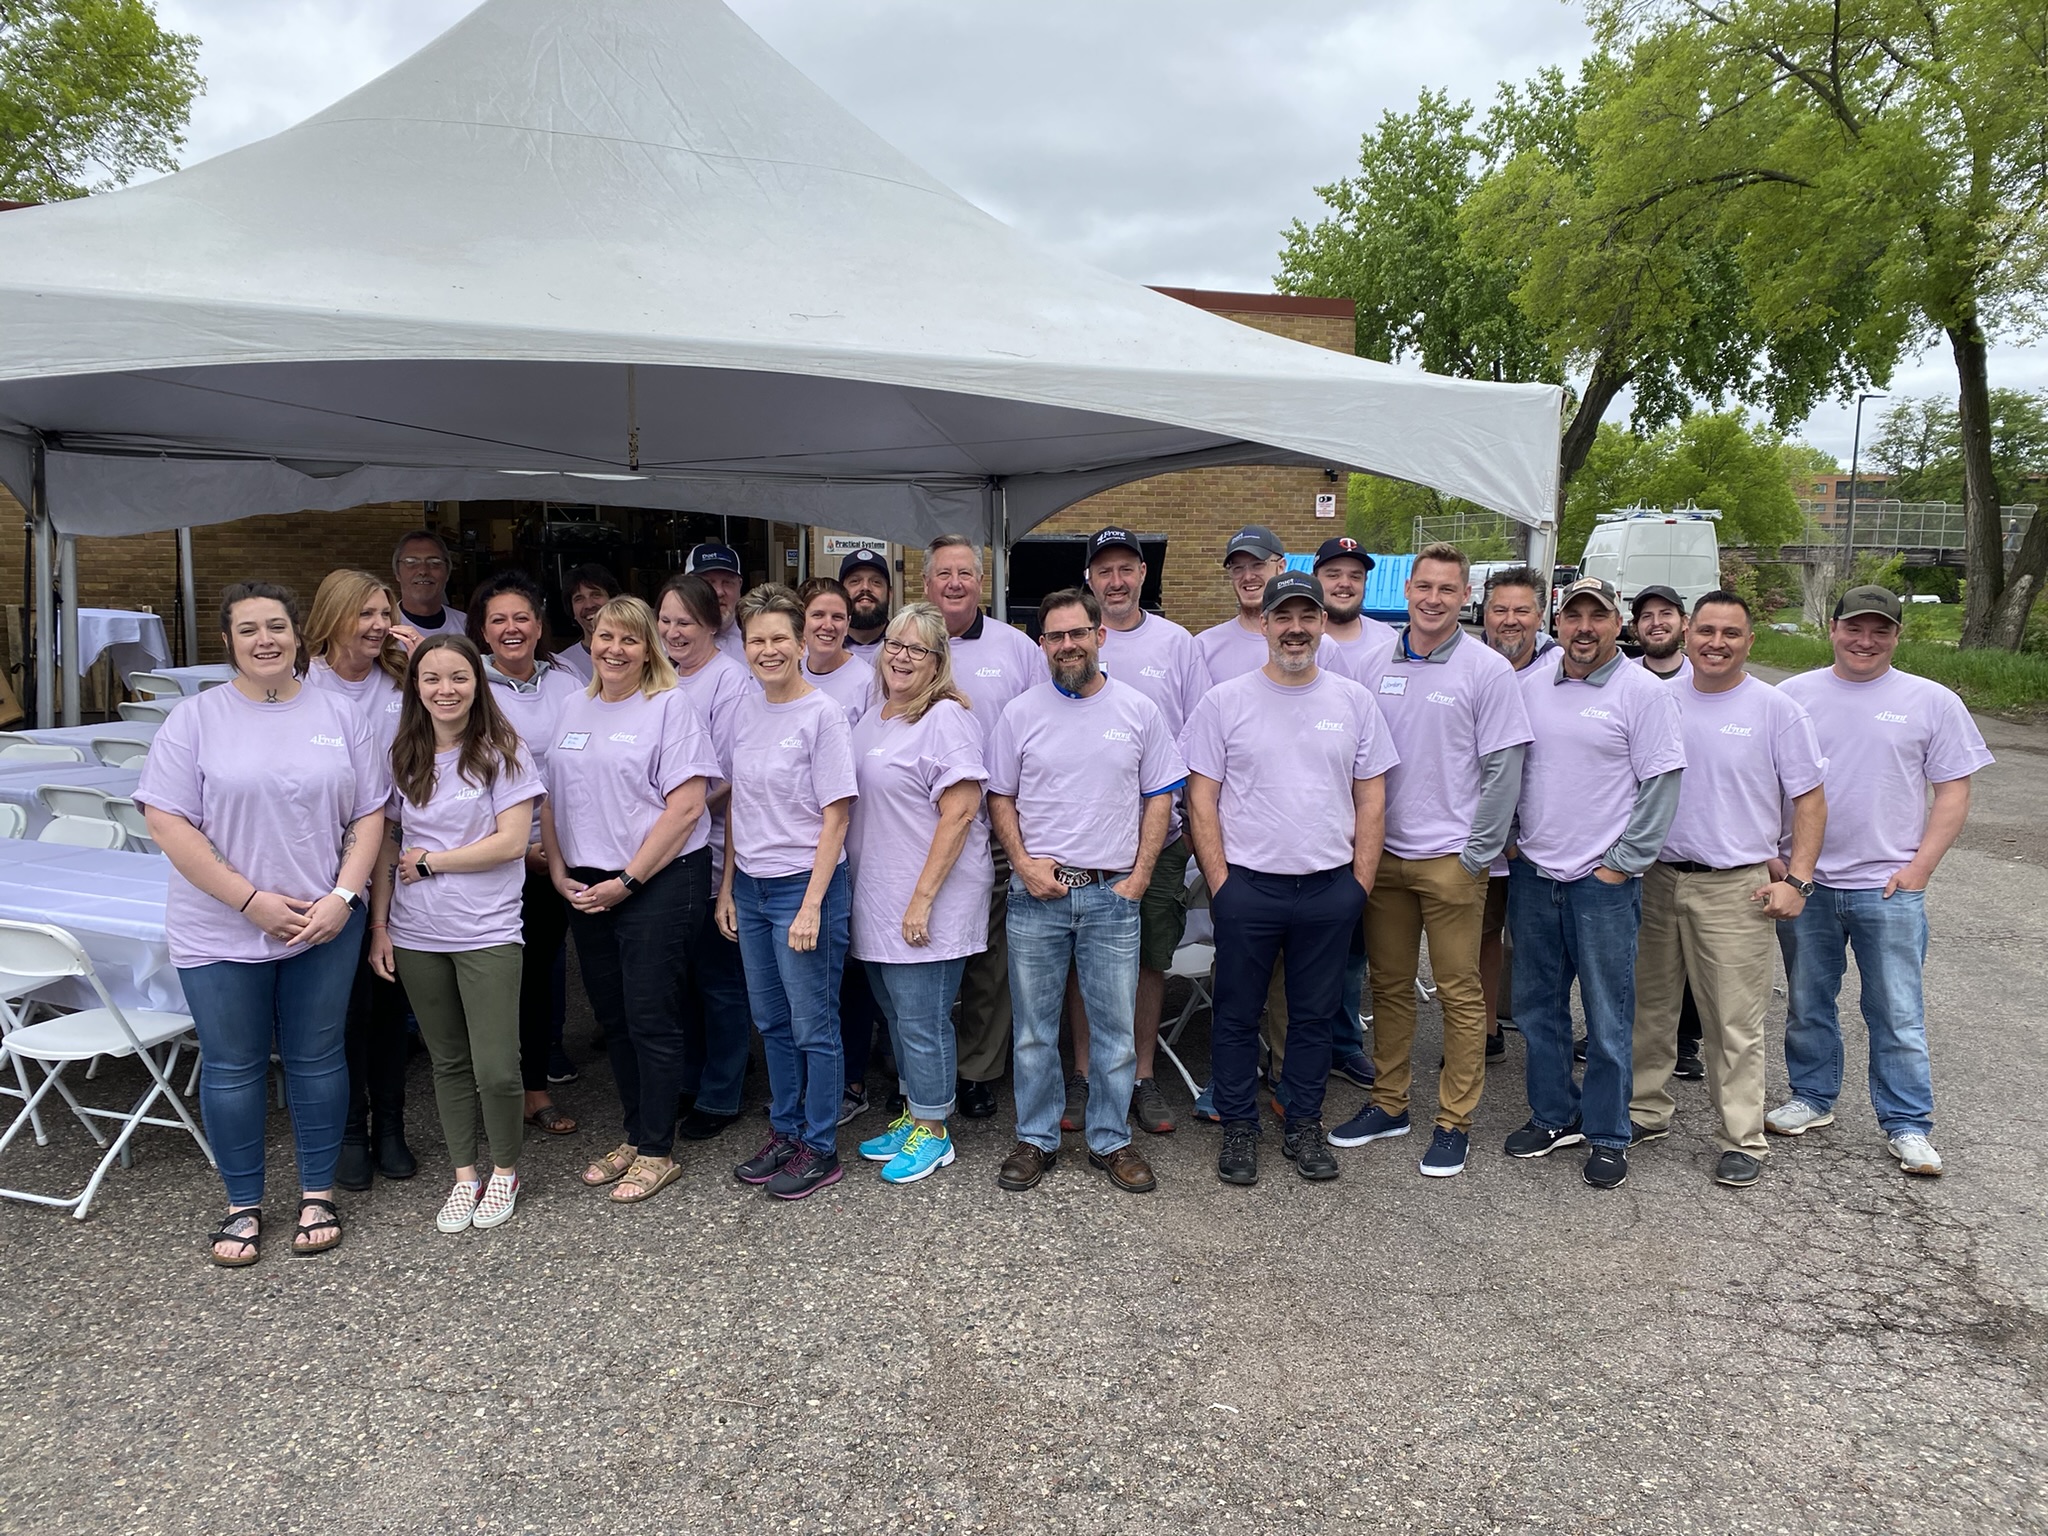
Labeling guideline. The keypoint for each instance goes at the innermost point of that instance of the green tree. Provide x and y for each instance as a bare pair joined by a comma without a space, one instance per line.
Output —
1875,157
91,92
1919,443
1617,463
1710,459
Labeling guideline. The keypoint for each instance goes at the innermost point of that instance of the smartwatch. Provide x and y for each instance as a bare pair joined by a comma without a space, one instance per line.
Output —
629,882
421,865
1803,887
349,897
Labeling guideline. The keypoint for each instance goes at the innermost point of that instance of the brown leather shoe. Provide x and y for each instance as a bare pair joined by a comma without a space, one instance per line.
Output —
1025,1166
1127,1170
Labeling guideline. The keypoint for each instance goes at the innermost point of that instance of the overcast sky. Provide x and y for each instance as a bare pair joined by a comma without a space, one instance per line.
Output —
1169,141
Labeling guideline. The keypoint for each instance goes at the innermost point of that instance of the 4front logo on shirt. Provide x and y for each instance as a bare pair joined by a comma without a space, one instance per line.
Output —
1738,730
1593,712
1440,697
1329,725
1151,671
988,671
329,741
629,738
1891,717
1113,734
790,742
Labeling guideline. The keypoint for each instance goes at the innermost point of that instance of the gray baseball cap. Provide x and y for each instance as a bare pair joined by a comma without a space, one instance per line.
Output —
1254,540
1882,601
1292,584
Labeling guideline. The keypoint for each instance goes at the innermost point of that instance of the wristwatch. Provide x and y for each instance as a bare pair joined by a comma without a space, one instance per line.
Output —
349,898
1803,887
420,864
629,882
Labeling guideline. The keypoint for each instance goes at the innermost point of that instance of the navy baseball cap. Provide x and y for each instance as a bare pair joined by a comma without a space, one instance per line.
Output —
864,560
1114,538
712,557
1342,549
1255,540
1292,584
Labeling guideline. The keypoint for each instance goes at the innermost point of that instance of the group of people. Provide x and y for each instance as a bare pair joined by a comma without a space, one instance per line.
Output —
803,815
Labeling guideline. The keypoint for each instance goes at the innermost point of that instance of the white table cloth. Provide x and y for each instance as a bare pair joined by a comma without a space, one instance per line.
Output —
137,640
191,679
18,786
112,902
83,736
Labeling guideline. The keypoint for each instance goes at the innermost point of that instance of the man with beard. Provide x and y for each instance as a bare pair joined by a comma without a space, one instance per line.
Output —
992,664
1082,772
1157,657
865,575
1659,616
1252,558
1362,642
719,565
1286,798
422,564
1599,787
1511,619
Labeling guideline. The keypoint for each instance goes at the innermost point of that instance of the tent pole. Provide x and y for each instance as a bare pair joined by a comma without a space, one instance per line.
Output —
187,600
996,507
67,618
803,553
45,620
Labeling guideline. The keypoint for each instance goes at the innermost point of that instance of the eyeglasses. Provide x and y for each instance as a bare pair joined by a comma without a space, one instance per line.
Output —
422,563
905,648
1059,637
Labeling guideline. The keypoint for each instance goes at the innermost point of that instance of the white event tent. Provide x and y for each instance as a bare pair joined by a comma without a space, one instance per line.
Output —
621,252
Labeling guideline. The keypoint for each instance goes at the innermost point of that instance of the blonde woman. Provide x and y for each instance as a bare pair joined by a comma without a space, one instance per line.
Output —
627,846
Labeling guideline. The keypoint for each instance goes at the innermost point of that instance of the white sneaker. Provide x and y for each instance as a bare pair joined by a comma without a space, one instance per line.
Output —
1796,1117
460,1208
500,1197
1916,1154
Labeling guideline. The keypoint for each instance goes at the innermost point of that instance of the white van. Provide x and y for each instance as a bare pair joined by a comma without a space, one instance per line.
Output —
1475,593
1640,547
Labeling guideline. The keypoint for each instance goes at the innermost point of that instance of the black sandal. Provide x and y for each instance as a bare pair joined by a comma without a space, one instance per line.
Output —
253,1242
329,1216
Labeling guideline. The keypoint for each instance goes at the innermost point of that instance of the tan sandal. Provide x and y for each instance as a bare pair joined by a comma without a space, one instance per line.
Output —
644,1180
612,1167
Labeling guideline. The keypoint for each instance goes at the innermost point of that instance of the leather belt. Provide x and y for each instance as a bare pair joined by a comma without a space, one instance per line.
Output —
1694,867
1074,879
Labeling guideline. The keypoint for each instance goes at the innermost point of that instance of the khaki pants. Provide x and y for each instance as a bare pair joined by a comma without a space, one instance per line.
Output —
1704,928
984,1033
1412,897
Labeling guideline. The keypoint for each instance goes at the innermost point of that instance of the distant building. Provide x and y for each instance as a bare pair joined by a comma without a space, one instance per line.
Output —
1825,498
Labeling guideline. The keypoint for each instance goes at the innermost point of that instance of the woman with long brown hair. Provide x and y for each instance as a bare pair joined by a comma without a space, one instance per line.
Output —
445,910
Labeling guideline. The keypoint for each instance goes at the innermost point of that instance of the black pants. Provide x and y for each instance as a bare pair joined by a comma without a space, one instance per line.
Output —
377,1048
1259,917
636,961
1688,1024
859,1017
543,925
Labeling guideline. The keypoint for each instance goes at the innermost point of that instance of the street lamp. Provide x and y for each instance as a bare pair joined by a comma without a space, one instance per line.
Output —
1855,451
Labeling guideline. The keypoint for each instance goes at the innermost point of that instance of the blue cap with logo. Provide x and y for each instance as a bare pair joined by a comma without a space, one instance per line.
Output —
864,560
1292,584
1342,549
712,557
1114,538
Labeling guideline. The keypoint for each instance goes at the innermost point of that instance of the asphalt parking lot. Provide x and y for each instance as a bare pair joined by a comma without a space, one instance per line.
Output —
1835,1350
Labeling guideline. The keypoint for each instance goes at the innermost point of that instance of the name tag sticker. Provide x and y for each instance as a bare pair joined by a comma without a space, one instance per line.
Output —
575,741
1393,684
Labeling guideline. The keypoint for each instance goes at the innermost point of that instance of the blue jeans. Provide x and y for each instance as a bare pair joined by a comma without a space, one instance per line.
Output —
1094,932
795,995
1584,928
917,1000
1257,916
301,1004
716,1025
1890,940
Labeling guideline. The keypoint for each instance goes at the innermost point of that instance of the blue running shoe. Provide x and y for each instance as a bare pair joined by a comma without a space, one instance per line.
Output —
921,1154
1205,1105
1445,1158
1370,1124
883,1148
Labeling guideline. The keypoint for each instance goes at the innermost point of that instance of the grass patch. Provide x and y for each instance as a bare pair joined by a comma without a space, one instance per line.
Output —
1997,682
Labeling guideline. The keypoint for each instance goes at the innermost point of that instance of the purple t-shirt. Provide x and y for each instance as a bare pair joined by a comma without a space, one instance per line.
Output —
1080,771
1230,650
577,659
1162,661
1593,746
612,768
851,683
1286,758
1747,751
1444,716
787,762
534,711
902,770
447,914
1885,741
715,690
732,643
1682,675
273,787
992,664
1360,659
377,698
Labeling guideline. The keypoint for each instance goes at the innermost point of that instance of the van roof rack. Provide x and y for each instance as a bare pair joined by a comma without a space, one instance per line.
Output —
1689,512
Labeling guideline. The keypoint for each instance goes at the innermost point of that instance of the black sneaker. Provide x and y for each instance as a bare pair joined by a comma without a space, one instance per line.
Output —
976,1101
805,1173
1579,1049
767,1162
1304,1146
1607,1168
1496,1048
1738,1170
1355,1069
1690,1068
1534,1140
1638,1133
1238,1162
560,1068
1074,1117
702,1125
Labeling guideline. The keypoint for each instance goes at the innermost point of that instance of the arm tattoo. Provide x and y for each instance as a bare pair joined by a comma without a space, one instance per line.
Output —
218,856
348,842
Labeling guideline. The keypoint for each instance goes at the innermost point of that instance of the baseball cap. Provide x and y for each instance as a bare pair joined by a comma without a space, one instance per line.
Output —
712,557
1114,538
1292,584
1342,549
864,560
1881,601
1591,586
1635,603
1255,540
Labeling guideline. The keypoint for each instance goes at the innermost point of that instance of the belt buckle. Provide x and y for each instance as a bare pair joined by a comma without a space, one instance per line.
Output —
1073,879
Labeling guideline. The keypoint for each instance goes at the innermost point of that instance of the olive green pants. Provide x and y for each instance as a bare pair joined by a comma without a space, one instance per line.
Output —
468,1007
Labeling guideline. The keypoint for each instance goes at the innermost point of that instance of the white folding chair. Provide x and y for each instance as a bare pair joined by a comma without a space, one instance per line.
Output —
154,685
116,752
13,820
75,800
155,711
127,815
1193,963
20,754
39,950
80,832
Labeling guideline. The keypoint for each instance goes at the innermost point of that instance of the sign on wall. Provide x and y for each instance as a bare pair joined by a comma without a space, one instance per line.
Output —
1326,504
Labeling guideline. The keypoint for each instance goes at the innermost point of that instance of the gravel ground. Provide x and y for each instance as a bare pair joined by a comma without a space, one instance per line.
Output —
1837,1349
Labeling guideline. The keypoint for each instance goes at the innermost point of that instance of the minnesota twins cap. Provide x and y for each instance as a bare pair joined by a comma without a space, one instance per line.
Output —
1342,549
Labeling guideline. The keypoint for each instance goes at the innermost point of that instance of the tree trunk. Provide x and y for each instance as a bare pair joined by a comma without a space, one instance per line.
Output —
1983,539
1610,377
